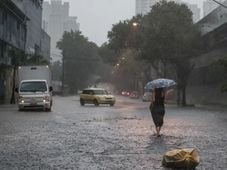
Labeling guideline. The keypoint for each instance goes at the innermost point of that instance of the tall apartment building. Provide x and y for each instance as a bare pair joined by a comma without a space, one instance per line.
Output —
56,20
35,35
144,6
12,42
209,6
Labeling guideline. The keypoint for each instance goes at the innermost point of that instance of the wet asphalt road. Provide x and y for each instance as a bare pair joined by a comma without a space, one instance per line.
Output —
119,137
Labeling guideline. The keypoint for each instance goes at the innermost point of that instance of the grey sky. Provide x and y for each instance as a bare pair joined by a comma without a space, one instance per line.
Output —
96,17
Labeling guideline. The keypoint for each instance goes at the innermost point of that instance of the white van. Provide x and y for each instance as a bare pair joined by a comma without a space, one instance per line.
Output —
34,88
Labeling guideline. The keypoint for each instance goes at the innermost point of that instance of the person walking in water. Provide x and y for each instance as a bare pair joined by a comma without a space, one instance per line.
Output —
157,108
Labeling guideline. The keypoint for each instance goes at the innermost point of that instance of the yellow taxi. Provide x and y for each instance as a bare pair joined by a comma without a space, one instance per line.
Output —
96,96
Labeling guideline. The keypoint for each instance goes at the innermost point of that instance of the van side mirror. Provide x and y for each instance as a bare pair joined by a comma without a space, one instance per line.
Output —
50,88
16,90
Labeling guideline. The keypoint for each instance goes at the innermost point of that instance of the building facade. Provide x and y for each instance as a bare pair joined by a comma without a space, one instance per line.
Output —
35,34
209,6
208,76
12,41
56,20
213,20
20,34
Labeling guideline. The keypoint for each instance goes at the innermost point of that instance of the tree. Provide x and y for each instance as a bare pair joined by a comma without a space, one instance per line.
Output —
128,71
80,60
125,39
56,69
170,37
125,35
107,54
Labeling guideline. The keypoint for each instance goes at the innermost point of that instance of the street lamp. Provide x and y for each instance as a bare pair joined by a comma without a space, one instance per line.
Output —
135,24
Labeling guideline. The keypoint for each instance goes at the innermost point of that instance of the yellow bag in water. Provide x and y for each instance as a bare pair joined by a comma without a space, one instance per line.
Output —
181,158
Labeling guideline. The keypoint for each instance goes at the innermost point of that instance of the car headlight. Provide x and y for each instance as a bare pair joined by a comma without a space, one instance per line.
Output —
46,99
21,99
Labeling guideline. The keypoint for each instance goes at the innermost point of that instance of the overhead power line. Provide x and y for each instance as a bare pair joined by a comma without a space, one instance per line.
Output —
223,5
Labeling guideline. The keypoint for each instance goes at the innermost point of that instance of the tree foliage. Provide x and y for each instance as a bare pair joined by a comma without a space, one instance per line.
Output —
80,60
107,54
128,71
171,37
166,37
125,34
56,69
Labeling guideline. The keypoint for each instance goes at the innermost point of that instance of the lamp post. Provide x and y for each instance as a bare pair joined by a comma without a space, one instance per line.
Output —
63,72
135,24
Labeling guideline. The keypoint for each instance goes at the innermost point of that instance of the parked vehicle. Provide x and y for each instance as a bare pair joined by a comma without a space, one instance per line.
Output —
134,95
125,93
147,96
96,96
34,87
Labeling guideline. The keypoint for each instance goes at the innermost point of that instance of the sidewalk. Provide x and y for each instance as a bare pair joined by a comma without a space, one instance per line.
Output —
215,107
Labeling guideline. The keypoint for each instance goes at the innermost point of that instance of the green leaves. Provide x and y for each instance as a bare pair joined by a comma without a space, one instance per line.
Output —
166,37
81,60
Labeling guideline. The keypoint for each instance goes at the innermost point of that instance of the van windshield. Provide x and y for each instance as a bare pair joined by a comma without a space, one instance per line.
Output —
33,87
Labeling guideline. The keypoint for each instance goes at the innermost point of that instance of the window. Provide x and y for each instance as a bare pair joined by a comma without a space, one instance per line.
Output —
33,87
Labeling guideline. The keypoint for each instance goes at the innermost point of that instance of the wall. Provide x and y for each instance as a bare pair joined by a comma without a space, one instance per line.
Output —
206,80
33,10
45,45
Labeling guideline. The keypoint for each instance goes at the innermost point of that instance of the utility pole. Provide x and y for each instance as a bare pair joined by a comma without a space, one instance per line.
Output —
63,71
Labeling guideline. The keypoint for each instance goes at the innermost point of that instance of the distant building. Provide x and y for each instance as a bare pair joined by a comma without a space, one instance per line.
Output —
195,11
45,44
33,9
209,6
56,20
144,6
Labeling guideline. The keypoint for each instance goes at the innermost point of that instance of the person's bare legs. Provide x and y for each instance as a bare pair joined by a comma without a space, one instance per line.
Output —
158,131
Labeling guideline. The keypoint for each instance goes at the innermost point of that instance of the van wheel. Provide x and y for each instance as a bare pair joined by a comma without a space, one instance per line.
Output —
112,104
96,103
48,109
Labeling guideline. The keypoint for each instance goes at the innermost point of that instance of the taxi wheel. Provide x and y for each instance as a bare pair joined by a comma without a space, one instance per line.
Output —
81,102
96,103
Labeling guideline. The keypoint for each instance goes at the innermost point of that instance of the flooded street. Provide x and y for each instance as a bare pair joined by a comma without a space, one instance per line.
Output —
104,137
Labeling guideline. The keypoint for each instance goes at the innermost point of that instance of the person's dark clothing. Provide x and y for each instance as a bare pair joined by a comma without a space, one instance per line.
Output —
157,108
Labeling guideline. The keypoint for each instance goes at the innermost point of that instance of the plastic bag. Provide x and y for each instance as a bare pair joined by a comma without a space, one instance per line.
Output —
181,158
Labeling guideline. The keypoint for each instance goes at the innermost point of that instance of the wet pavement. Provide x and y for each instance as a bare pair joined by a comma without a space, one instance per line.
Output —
104,137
